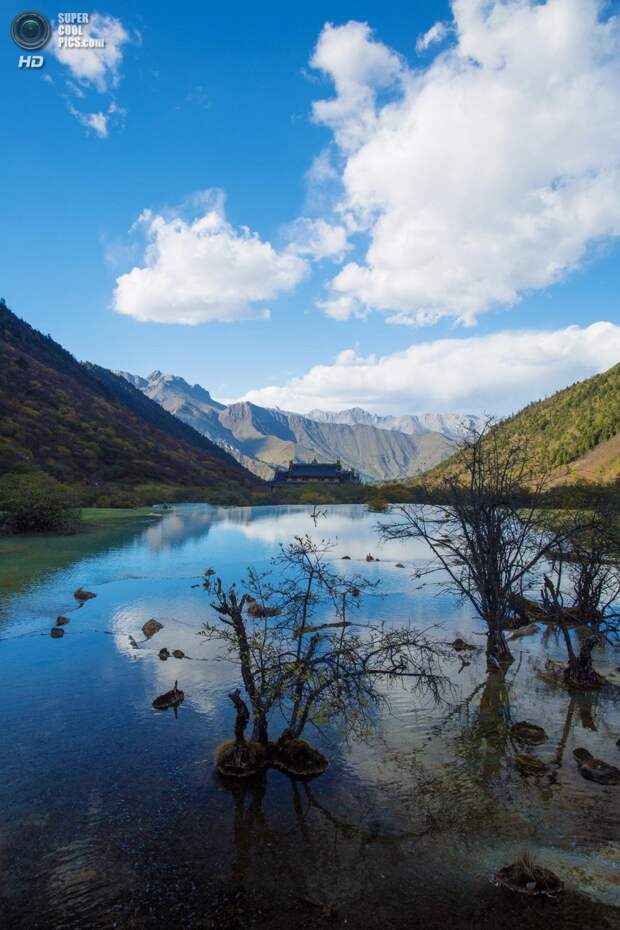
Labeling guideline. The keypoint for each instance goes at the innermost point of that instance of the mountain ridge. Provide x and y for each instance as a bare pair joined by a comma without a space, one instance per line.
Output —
82,424
264,438
452,425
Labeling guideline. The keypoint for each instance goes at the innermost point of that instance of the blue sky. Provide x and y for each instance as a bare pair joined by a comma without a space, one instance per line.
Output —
430,222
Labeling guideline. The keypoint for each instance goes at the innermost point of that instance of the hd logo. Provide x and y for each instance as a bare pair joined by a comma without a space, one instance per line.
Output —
31,61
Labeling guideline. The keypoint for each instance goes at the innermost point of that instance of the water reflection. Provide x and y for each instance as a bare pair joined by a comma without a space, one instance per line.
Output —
111,811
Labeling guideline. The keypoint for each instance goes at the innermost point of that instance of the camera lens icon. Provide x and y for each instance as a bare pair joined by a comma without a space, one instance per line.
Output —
31,30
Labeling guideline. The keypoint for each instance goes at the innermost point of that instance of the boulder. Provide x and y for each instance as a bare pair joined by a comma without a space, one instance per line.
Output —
526,732
399,565
81,595
595,769
297,757
151,627
530,765
57,632
62,621
171,698
346,558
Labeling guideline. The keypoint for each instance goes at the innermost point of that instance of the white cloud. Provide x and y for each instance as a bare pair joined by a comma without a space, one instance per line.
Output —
359,67
497,373
98,67
488,173
318,239
99,122
201,270
435,34
95,121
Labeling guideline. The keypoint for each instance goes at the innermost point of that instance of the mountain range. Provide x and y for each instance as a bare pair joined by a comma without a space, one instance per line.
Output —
107,431
453,425
262,439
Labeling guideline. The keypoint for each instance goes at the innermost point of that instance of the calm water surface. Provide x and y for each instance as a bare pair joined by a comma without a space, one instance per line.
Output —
112,815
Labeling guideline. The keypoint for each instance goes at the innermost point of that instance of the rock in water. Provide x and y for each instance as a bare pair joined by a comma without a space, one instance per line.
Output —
459,645
171,698
81,595
526,878
346,558
57,632
399,565
164,654
595,769
297,757
528,732
178,653
529,765
62,621
151,627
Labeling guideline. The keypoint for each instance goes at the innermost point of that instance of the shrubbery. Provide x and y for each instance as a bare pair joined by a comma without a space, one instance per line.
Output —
36,503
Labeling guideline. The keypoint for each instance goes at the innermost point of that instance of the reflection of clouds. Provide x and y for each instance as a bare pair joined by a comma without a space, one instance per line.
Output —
204,676
354,531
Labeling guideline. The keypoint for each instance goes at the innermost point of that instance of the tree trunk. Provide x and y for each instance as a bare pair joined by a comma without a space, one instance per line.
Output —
242,718
498,653
580,673
259,730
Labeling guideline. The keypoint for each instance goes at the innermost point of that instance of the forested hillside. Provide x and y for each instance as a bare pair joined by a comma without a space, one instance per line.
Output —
574,433
79,425
571,424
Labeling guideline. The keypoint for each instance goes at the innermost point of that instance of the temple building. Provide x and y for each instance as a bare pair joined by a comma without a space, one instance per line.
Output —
327,472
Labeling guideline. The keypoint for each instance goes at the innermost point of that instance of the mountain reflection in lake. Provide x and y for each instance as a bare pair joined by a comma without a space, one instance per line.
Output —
113,816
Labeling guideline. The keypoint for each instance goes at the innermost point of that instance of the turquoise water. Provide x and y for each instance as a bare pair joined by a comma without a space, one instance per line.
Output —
112,815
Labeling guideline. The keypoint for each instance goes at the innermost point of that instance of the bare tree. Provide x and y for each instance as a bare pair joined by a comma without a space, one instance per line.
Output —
582,587
301,650
485,532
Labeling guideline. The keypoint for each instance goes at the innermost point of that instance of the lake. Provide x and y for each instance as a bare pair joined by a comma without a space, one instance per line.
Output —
112,815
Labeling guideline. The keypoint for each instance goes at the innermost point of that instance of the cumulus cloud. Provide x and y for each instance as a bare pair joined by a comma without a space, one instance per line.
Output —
318,239
99,67
487,174
496,373
203,269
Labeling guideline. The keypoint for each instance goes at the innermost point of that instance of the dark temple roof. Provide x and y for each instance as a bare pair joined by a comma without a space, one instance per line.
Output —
312,470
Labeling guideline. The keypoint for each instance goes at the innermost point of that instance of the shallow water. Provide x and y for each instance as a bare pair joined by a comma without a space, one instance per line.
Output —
112,815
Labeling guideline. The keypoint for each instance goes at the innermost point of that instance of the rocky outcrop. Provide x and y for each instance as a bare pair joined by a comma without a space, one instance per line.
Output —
151,627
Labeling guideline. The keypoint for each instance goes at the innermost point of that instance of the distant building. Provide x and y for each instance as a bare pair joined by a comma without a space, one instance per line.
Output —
325,472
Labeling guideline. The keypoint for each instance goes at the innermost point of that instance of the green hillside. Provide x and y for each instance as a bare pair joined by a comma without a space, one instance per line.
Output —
575,432
83,427
571,424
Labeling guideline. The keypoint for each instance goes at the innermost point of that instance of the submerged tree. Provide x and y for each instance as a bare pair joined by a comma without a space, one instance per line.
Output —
582,587
305,659
484,533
